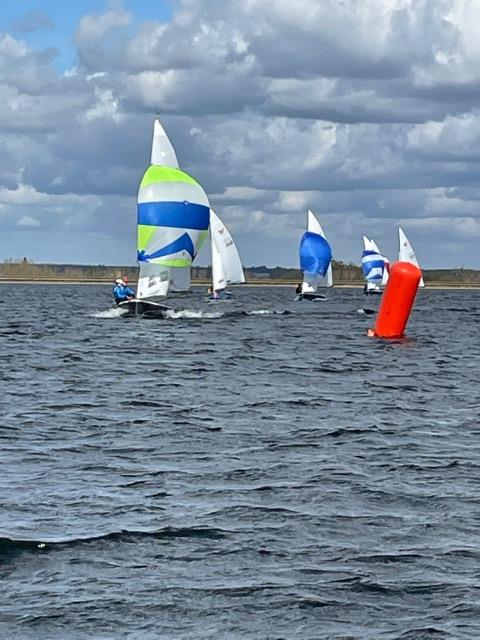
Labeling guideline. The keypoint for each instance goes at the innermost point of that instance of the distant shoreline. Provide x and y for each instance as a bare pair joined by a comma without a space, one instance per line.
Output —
206,283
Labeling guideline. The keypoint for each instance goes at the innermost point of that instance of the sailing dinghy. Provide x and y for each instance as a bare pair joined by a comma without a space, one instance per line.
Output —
315,261
406,253
173,216
226,264
374,267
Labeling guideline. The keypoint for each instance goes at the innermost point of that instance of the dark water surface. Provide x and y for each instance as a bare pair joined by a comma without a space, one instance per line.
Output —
221,475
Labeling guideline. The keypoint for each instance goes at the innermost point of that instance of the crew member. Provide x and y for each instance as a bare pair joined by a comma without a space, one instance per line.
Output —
121,292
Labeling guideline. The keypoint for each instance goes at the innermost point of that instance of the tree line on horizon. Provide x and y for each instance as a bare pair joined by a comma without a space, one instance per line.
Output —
25,269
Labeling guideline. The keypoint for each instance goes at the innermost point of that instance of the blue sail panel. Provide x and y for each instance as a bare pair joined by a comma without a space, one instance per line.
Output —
315,253
184,243
174,214
373,265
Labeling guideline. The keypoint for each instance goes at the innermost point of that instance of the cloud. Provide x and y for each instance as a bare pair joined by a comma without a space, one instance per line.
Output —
32,21
28,221
365,112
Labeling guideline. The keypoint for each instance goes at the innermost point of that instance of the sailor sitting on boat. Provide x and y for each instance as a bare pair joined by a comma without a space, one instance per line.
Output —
121,291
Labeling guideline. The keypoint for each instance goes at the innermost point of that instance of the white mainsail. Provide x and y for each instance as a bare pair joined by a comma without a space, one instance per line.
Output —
226,264
153,280
310,280
406,253
163,152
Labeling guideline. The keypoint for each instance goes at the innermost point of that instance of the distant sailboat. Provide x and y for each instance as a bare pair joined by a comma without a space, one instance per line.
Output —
374,267
386,270
315,260
173,219
406,253
226,265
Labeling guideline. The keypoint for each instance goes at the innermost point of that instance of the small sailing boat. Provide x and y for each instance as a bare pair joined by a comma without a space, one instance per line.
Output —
374,267
226,265
315,261
173,216
406,253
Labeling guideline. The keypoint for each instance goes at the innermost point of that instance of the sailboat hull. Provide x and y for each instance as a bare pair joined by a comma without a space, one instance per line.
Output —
144,308
311,297
372,290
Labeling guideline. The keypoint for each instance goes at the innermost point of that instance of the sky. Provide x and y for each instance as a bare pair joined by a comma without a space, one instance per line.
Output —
365,111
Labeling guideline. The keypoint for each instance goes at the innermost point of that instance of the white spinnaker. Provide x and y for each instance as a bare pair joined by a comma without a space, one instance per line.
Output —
406,253
153,280
310,280
163,152
226,264
387,262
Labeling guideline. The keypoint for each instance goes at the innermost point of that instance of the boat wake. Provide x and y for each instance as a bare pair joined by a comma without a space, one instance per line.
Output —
189,314
110,314
267,312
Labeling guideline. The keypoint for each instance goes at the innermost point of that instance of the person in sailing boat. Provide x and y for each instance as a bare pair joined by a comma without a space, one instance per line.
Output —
121,291
298,290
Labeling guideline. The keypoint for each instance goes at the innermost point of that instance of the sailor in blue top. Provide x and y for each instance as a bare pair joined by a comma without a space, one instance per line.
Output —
121,291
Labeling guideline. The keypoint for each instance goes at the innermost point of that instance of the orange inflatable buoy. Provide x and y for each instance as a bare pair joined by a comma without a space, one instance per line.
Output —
397,301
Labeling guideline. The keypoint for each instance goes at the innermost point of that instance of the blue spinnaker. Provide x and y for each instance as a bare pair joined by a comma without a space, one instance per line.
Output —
315,253
373,265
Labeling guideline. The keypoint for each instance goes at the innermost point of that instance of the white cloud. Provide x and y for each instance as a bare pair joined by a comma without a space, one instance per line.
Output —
28,221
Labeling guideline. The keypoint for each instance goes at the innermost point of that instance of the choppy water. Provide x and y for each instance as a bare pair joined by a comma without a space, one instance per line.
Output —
220,475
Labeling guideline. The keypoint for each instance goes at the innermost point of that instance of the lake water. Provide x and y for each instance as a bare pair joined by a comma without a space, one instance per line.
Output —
268,475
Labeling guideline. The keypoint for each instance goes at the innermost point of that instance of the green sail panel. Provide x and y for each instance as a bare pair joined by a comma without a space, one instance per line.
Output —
173,217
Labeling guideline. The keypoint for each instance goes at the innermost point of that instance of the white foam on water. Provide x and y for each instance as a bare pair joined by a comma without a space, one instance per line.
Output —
189,314
110,314
263,312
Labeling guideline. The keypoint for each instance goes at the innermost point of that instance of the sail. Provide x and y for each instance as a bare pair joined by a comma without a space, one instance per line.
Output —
163,153
173,219
386,269
226,265
315,258
373,263
311,278
219,278
153,280
406,253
